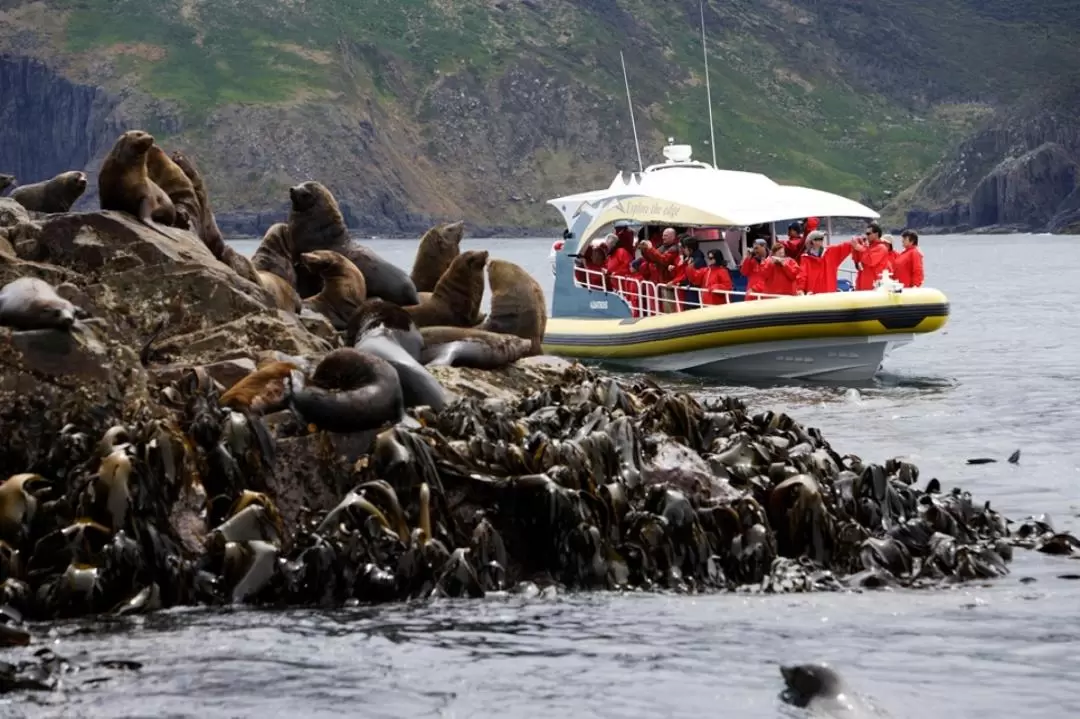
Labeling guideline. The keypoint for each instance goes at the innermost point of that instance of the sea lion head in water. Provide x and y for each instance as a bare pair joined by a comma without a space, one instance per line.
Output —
32,304
457,297
55,195
386,330
817,686
518,306
350,391
438,248
6,181
343,286
124,184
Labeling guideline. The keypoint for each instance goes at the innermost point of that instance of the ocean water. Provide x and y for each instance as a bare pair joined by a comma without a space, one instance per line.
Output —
1001,376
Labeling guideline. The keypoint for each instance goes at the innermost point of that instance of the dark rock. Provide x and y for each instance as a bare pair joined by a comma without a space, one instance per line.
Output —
1026,190
226,372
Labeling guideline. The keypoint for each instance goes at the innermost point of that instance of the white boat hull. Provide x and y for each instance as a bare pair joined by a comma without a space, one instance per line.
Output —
829,359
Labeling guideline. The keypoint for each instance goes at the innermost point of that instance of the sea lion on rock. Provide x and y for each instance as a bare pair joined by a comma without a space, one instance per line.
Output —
343,286
457,296
175,183
273,267
350,391
517,303
32,304
468,347
55,195
125,186
386,330
208,230
6,181
316,223
262,391
438,248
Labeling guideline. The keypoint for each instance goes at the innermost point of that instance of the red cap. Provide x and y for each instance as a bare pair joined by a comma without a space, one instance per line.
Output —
811,224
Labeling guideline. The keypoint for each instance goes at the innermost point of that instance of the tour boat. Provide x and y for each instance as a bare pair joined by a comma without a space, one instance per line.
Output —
842,336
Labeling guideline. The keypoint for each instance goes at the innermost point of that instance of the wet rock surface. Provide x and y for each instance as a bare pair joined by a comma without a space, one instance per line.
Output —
129,487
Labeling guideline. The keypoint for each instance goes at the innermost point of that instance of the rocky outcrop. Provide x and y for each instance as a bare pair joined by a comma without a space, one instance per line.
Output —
1018,172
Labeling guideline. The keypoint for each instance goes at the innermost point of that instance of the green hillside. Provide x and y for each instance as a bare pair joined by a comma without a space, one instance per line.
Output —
856,97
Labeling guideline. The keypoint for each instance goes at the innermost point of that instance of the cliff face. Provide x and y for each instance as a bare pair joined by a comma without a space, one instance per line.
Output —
420,111
1019,172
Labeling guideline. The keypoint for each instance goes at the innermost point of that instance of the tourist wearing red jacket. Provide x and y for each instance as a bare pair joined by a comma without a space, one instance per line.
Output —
667,255
753,269
819,265
871,255
795,242
780,272
713,276
908,265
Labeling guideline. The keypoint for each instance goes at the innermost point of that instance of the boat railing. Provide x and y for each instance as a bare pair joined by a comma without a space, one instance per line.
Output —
647,298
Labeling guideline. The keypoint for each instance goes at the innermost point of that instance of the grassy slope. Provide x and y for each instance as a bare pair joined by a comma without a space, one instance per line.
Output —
847,95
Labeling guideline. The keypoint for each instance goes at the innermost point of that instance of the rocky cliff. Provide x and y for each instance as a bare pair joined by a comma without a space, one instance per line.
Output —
419,111
1019,172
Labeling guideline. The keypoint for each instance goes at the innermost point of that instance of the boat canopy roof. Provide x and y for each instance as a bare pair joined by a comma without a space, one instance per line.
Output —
696,194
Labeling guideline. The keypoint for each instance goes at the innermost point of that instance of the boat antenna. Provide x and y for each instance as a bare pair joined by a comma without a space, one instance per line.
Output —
708,88
630,102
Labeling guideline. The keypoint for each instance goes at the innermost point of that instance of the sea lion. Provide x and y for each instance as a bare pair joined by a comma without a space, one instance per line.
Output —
316,223
517,303
350,391
468,347
175,183
273,267
55,195
819,688
6,181
438,248
262,391
343,286
387,331
125,186
32,304
209,232
457,296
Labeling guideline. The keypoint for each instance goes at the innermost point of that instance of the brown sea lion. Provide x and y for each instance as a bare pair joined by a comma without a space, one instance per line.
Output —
438,248
343,286
6,181
316,223
457,297
125,186
350,391
262,391
469,347
32,304
172,179
272,264
387,331
518,306
209,232
55,195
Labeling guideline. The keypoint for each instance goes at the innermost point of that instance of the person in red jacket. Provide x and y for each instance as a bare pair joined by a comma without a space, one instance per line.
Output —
780,272
625,235
908,265
795,242
713,279
819,265
591,272
871,255
753,269
664,260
